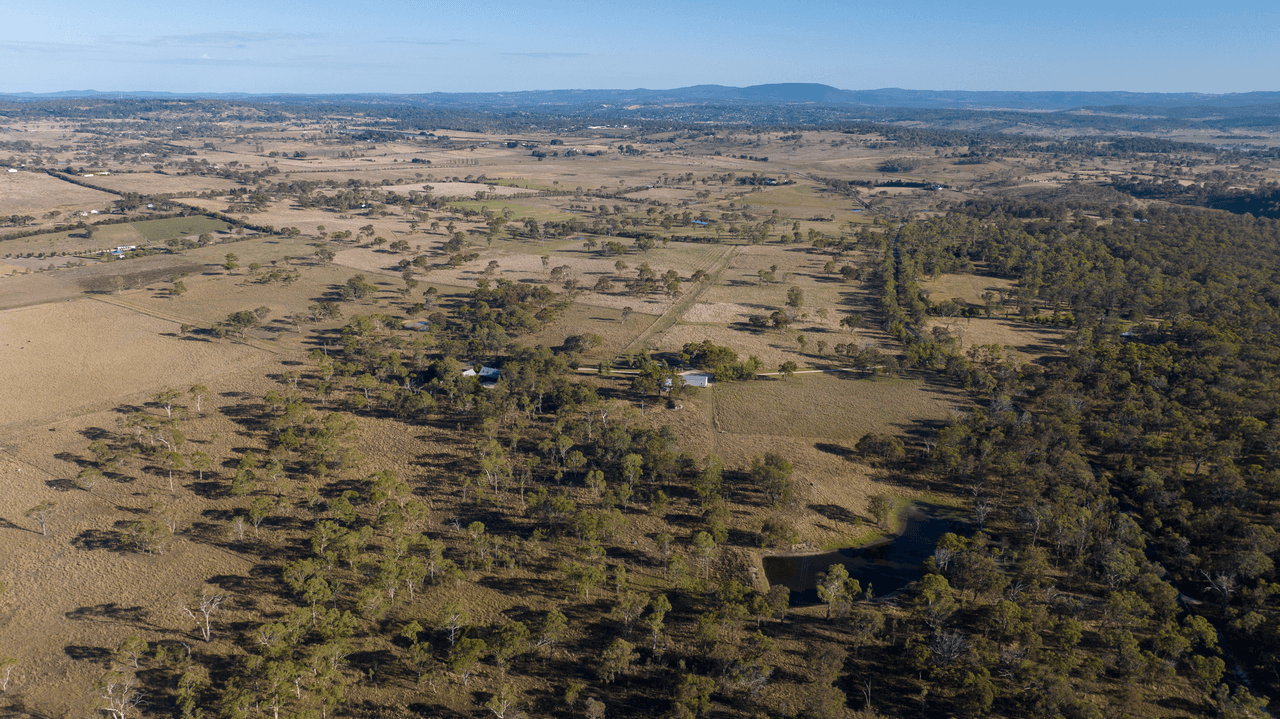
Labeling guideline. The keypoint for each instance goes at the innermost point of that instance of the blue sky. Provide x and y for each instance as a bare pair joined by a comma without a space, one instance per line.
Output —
411,47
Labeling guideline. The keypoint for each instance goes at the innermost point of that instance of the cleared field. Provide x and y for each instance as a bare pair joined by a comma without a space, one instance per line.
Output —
35,193
585,267
840,406
458,189
70,355
71,283
538,211
607,322
773,348
213,296
969,288
1031,341
665,194
814,421
173,228
796,265
149,183
802,200
106,237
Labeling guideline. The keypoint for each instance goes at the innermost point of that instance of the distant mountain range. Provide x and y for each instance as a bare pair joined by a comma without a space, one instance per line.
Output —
792,93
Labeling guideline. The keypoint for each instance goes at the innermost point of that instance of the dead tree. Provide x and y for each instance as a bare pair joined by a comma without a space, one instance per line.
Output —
206,606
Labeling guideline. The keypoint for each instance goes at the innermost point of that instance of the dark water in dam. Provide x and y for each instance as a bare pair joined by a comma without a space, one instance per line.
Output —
887,565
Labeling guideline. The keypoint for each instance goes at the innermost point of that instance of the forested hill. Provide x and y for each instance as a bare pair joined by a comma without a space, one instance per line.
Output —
1145,462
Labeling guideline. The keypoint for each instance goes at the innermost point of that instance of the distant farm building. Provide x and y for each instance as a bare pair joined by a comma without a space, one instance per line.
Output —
488,376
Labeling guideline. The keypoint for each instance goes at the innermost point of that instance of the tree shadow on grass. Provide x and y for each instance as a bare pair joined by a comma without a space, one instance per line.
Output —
96,433
94,539
97,655
6,524
111,613
836,450
208,489
75,459
836,513
16,708
435,710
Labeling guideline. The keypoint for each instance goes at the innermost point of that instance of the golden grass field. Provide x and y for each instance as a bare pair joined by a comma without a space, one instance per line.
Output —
969,288
154,183
35,193
73,355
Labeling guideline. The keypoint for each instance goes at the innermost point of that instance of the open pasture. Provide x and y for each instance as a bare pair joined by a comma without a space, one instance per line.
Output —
450,189
803,200
1030,341
969,288
109,236
791,266
65,356
35,194
840,406
153,183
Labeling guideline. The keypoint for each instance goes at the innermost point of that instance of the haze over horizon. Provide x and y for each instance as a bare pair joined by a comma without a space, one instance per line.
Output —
393,47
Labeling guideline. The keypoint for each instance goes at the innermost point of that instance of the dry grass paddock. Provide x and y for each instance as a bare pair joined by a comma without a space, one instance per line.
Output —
35,194
141,233
837,406
586,268
465,190
797,265
585,318
154,182
1030,341
969,288
65,356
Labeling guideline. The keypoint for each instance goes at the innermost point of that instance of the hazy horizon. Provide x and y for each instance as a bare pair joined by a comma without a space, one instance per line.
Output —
390,47
144,90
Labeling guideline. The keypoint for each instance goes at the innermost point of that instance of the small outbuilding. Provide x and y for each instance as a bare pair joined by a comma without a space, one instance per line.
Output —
696,379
